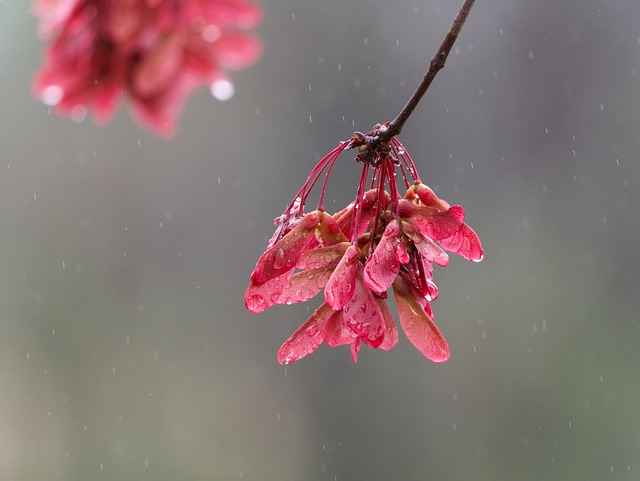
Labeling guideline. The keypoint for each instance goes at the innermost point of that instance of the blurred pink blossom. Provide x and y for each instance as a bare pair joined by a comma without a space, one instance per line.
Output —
153,51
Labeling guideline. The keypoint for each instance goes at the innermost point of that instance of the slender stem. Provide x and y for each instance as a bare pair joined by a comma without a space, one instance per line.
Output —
437,63
355,226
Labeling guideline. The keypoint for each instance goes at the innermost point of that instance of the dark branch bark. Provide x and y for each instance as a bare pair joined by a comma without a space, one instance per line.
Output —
437,63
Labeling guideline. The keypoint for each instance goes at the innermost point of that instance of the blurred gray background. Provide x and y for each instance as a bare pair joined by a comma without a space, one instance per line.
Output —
125,349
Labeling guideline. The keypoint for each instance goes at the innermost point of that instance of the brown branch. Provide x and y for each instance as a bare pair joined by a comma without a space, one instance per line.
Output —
437,63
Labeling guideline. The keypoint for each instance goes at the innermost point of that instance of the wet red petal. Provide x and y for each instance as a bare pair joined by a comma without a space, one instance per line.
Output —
235,51
329,232
435,225
322,256
159,67
284,254
262,296
464,242
432,290
231,12
383,265
345,216
307,338
418,324
340,287
391,331
429,198
425,246
303,286
336,332
362,313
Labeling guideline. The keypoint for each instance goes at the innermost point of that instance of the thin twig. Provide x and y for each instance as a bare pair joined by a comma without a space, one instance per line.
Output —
437,63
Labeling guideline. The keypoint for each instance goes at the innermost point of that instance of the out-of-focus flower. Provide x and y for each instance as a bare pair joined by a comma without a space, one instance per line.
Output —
152,51
381,240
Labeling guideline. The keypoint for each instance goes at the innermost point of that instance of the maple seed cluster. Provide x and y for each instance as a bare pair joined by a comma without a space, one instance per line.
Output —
381,240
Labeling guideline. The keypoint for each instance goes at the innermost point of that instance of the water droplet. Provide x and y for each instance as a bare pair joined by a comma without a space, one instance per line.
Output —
279,262
222,89
312,330
211,33
254,302
52,95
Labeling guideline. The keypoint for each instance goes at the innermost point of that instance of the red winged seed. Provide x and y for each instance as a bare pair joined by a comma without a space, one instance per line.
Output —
429,198
262,296
425,246
464,242
383,265
329,232
336,332
345,216
417,323
301,344
391,331
322,256
435,225
340,287
362,313
284,254
304,285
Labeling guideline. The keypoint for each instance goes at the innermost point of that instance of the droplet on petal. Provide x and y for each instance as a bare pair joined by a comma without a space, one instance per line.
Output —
211,33
322,257
254,303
